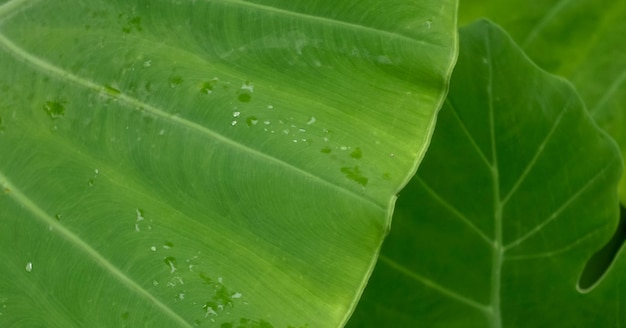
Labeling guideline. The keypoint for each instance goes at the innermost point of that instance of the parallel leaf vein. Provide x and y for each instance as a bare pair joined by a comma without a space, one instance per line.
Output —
131,102
93,254
383,33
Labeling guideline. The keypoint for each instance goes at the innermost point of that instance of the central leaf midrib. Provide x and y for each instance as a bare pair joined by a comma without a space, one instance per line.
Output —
498,251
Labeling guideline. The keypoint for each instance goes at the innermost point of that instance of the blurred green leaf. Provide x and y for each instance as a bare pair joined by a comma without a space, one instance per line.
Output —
207,163
515,194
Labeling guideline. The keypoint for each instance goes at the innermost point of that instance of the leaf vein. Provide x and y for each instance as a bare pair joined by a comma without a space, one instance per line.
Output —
536,156
555,215
433,285
93,254
131,102
329,21
468,134
454,211
545,20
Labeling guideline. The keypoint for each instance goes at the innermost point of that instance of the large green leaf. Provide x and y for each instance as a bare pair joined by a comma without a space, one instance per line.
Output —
207,163
582,40
516,192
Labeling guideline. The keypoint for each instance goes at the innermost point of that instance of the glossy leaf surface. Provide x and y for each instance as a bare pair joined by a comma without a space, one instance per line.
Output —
516,192
581,40
207,163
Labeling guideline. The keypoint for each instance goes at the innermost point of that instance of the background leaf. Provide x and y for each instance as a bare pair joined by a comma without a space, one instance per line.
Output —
515,194
207,163
582,40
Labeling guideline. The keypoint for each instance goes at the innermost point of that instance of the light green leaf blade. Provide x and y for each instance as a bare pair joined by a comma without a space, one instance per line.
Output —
581,40
516,192
207,163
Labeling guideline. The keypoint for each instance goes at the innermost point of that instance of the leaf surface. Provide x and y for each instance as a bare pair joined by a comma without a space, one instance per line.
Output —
207,163
516,192
582,40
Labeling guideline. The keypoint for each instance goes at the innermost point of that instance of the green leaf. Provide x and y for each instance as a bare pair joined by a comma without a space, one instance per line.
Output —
516,192
207,163
581,40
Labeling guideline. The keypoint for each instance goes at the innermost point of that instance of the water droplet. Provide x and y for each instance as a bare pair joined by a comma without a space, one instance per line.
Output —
233,123
295,140
90,183
266,122
236,114
344,148
139,213
96,171
155,283
326,150
392,154
247,86
168,245
354,174
270,107
251,120
175,81
311,120
384,60
153,248
356,153
58,216
301,130
209,310
111,90
244,97
55,109
133,23
29,266
171,263
236,295
207,87
147,63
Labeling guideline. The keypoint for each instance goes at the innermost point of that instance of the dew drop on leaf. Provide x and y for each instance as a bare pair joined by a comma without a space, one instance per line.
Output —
175,81
171,263
244,97
55,109
251,120
356,153
354,174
